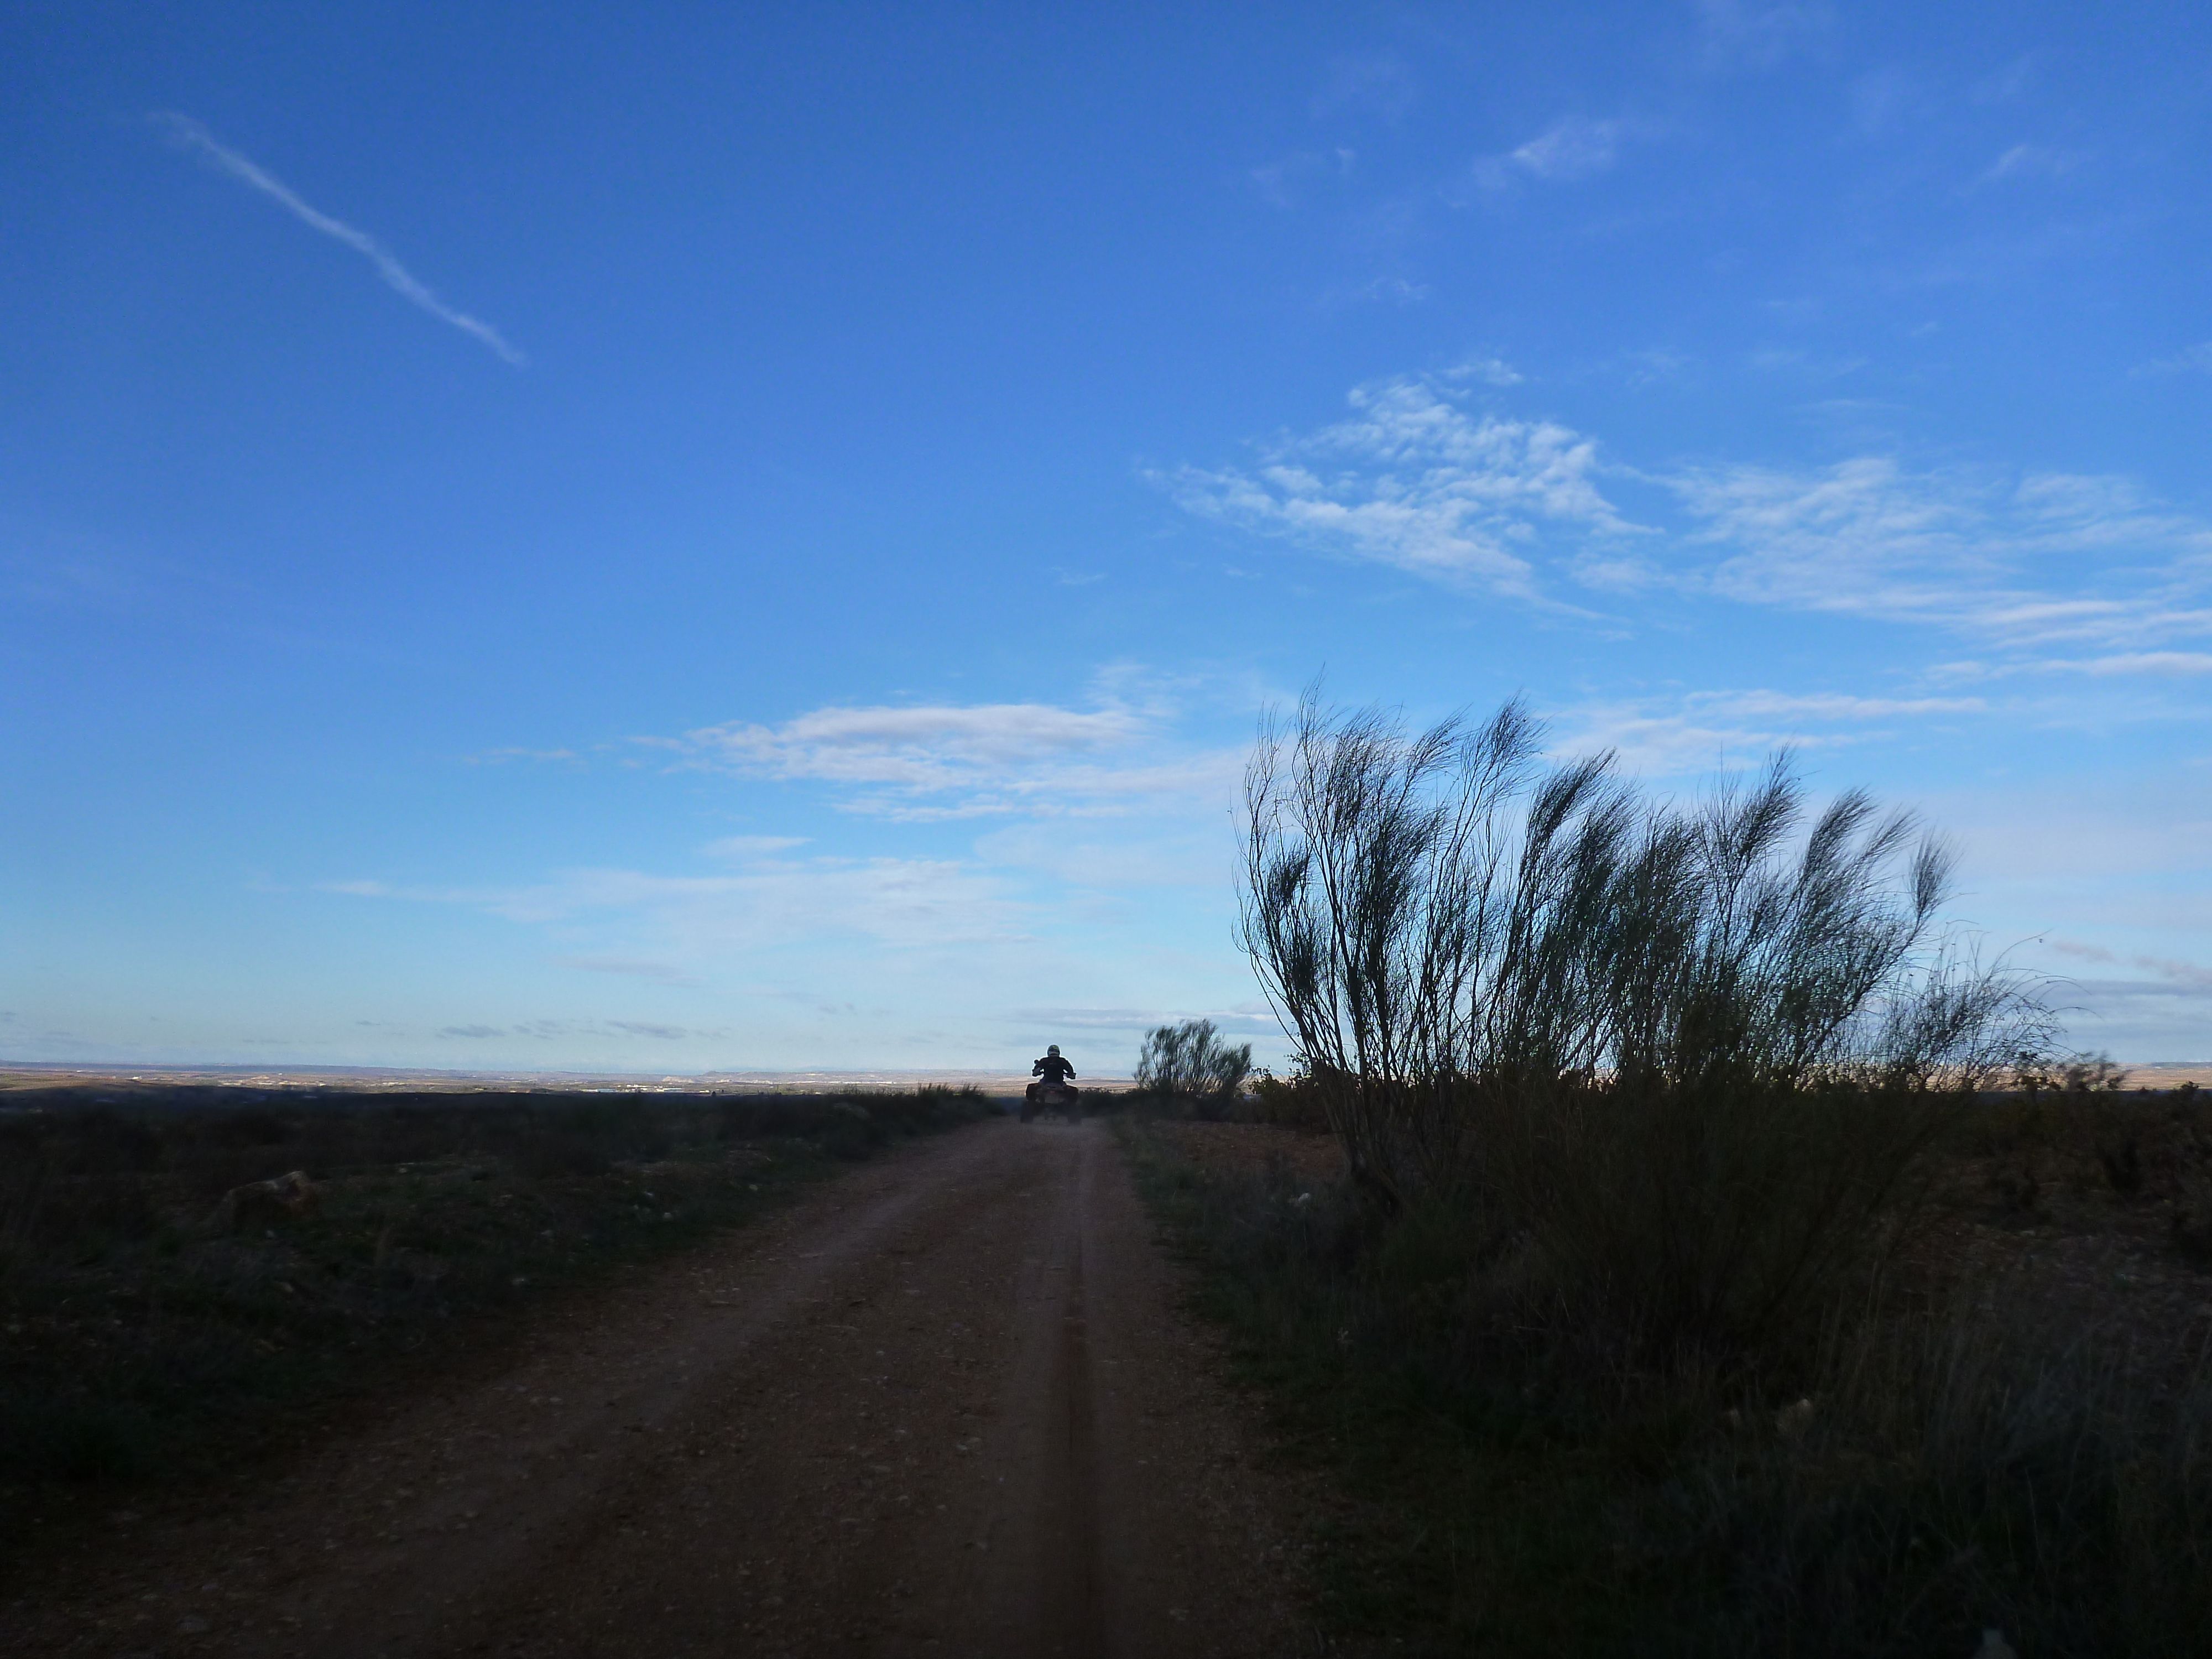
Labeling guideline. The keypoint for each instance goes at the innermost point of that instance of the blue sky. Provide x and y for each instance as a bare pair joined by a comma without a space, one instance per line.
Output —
672,538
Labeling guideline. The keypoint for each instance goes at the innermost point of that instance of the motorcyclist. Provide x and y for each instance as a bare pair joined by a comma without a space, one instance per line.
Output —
1051,1073
1052,1068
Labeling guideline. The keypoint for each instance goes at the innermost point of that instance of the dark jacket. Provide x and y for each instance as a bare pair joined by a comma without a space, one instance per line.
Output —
1053,1069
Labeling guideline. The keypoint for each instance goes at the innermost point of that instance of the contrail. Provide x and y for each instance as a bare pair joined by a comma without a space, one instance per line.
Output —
190,133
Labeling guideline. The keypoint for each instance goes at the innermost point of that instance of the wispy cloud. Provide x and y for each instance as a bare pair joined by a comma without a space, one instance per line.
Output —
2186,974
2195,360
1571,148
1484,370
2163,665
1395,291
680,919
1700,731
1956,548
922,748
1284,182
1414,481
940,763
2031,161
2147,1003
548,1030
1247,1019
191,134
1739,34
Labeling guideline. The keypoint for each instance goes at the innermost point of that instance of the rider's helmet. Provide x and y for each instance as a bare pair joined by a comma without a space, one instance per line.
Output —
1051,1048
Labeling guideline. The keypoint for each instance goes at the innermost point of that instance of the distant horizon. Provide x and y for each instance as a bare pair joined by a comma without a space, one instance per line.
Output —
2168,1073
280,1076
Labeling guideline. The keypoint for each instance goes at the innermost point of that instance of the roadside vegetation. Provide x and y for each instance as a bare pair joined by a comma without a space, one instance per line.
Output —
1187,1067
184,1275
1719,1263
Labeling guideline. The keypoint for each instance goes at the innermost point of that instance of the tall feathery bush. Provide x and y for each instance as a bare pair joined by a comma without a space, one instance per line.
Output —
1682,1057
1189,1060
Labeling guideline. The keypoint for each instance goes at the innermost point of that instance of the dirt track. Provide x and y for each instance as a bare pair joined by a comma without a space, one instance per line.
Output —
944,1407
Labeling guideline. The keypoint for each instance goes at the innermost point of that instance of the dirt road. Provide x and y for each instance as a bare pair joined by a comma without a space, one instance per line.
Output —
945,1405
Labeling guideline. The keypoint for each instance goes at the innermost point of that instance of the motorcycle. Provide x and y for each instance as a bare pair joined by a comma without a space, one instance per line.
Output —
1041,1097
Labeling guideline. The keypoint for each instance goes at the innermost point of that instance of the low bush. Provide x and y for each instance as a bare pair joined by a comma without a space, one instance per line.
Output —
1288,1102
1189,1065
1954,1453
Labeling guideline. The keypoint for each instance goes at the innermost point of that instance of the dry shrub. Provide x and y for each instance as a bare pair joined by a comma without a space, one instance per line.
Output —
1189,1063
1687,1054
1635,1096
1924,1467
1977,1463
1662,1225
1288,1102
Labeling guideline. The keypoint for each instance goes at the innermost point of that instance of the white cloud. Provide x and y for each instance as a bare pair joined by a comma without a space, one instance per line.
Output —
1573,149
2029,161
1700,730
1254,1019
1414,481
925,748
2187,974
1570,149
944,762
2163,664
1954,548
2151,1021
1488,371
553,1030
1395,291
191,135
904,902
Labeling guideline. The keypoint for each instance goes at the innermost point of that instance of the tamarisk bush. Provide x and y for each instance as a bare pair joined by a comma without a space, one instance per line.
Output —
1678,1058
1189,1060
